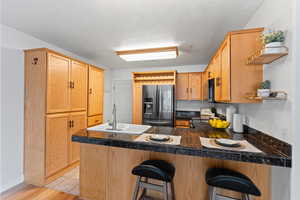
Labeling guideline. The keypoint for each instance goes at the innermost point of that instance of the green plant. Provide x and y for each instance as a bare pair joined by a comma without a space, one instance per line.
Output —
273,36
265,85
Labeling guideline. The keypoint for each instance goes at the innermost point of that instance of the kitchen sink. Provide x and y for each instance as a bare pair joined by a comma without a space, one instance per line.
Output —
121,128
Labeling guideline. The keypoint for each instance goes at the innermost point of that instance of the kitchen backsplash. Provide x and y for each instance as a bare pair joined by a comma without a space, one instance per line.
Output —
191,105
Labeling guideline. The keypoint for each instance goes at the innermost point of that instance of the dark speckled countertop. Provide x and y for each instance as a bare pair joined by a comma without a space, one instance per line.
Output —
275,152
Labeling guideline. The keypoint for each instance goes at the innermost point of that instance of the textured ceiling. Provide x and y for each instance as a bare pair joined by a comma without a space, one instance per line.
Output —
96,28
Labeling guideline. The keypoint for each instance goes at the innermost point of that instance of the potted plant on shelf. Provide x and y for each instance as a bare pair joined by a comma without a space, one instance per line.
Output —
273,41
264,89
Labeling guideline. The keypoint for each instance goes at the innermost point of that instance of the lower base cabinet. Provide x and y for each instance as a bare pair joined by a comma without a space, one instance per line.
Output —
95,120
105,174
60,150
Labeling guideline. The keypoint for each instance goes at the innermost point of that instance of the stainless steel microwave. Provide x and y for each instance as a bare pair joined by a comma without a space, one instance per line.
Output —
211,90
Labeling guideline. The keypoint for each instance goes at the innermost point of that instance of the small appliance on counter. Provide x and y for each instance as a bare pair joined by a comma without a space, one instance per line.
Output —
206,113
238,123
230,111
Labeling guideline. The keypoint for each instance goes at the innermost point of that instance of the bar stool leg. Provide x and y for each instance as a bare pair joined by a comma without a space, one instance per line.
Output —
165,188
245,197
212,192
171,190
136,189
144,192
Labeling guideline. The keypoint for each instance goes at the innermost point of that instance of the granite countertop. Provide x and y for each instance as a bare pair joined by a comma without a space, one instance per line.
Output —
275,152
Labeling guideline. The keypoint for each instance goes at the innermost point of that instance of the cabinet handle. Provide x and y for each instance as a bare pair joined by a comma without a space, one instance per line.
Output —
90,91
72,123
187,90
218,81
71,84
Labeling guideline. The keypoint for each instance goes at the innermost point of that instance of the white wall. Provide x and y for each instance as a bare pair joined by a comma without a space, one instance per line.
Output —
12,100
124,111
275,118
296,125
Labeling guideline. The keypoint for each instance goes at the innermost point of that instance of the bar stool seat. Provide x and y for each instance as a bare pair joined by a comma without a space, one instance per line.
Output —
231,180
154,169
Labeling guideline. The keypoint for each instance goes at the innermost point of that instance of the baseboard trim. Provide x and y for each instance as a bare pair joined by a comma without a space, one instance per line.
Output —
16,184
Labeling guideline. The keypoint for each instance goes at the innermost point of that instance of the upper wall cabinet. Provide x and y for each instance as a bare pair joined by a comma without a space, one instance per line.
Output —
95,96
189,86
79,75
234,79
66,84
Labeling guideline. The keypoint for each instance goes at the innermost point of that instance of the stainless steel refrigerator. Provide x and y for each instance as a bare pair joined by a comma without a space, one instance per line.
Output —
158,105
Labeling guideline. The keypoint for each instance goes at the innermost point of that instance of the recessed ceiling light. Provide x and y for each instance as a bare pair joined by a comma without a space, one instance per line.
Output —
149,54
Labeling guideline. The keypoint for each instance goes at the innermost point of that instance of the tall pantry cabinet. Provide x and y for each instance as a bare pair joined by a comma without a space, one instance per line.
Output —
56,98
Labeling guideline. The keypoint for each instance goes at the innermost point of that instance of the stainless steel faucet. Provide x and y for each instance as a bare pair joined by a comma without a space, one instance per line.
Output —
114,122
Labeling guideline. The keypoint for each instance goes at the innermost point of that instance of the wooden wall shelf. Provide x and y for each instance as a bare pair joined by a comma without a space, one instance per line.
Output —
155,76
263,57
282,98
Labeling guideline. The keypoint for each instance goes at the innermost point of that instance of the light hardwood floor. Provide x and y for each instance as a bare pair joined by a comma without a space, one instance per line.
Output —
30,192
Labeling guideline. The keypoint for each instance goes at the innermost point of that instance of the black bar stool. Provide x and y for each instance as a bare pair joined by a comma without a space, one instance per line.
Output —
231,180
158,170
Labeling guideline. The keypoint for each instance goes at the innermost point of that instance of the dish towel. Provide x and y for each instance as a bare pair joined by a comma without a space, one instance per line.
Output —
245,145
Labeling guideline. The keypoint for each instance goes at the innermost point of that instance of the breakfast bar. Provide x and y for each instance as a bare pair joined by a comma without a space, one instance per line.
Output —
108,158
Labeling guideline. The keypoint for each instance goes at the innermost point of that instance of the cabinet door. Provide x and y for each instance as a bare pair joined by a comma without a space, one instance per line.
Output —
217,70
96,76
225,71
57,129
78,122
205,85
58,97
182,86
137,109
195,86
78,86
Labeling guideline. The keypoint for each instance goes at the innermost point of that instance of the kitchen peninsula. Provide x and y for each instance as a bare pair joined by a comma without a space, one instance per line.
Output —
107,160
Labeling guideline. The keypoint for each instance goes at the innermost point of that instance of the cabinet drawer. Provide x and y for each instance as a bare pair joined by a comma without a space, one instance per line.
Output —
184,123
95,120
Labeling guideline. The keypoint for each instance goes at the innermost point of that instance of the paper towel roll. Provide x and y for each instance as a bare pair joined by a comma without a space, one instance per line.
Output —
238,123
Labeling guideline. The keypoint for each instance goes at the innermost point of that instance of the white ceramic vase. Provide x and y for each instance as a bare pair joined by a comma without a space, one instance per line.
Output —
263,92
274,47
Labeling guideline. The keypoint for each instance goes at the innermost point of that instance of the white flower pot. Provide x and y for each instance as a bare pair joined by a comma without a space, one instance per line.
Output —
274,44
274,47
263,92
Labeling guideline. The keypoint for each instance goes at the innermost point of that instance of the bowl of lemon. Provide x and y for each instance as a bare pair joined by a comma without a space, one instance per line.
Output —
218,123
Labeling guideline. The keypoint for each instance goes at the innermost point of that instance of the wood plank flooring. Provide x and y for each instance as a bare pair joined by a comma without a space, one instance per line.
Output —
30,192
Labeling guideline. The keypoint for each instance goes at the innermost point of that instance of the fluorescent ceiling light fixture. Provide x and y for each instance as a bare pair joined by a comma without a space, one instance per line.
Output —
149,54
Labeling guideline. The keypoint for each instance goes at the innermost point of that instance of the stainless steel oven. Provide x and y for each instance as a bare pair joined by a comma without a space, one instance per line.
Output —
211,90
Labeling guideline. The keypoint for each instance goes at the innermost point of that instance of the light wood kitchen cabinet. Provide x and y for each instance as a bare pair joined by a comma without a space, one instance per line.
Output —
147,78
217,75
182,86
189,86
55,108
195,86
58,83
77,123
235,80
78,85
205,79
96,92
137,108
94,120
57,129
225,71
66,79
